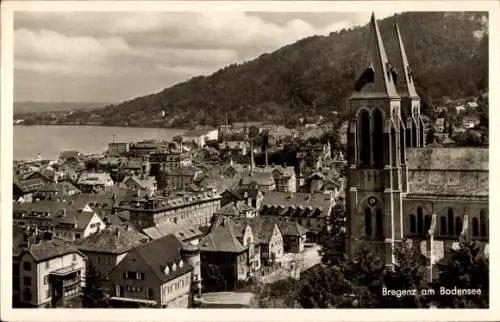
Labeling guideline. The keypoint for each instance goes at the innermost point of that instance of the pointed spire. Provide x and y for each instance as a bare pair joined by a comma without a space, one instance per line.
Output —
406,87
375,78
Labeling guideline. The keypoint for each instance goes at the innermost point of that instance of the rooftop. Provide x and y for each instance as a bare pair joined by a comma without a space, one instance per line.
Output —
116,241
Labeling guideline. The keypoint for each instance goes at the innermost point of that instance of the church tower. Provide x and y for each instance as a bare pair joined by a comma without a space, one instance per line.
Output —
374,176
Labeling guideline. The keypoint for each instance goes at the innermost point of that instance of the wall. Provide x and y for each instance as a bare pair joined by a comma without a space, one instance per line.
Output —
176,289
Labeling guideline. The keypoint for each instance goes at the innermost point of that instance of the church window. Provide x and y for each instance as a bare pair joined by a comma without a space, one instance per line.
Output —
450,222
364,138
368,221
401,144
378,139
442,226
379,222
413,224
483,223
413,134
475,227
458,226
422,139
420,221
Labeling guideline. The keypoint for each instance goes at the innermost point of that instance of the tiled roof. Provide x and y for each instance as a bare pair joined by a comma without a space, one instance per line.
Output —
182,232
94,178
291,228
49,249
262,228
261,178
80,219
296,204
448,159
25,184
161,252
223,238
116,241
42,206
220,184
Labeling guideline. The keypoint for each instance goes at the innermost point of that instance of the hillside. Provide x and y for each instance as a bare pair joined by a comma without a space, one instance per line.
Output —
39,107
448,52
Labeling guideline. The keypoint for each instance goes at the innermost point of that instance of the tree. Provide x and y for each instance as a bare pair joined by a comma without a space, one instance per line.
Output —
93,291
213,279
464,268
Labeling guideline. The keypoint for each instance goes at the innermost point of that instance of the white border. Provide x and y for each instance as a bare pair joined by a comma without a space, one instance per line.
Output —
6,131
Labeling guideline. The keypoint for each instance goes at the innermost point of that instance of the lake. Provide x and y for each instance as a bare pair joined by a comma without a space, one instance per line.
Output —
50,140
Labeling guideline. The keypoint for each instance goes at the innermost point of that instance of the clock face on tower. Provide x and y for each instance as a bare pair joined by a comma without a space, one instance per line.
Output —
372,201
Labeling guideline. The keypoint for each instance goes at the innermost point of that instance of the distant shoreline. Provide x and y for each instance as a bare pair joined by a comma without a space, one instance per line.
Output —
101,125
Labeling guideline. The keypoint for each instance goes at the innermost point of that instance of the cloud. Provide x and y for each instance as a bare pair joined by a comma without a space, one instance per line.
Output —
116,55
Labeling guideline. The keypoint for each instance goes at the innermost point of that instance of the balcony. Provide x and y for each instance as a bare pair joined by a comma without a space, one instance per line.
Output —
65,271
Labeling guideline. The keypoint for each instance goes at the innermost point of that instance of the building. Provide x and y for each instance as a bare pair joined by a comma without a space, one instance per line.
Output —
195,208
57,191
118,148
294,236
70,156
396,187
50,273
234,147
180,178
185,232
251,196
154,274
311,210
284,177
106,248
40,214
168,159
143,182
94,181
470,122
71,224
232,250
238,209
263,181
201,136
144,148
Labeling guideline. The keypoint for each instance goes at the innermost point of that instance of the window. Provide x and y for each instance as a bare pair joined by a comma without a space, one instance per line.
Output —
77,236
364,138
458,226
74,257
442,225
27,266
483,224
378,138
139,275
450,222
427,224
27,281
368,221
420,221
475,227
125,275
150,293
45,279
27,294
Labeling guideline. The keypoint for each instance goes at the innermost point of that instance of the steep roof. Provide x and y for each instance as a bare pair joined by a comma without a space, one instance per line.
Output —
291,228
161,252
223,238
375,79
116,241
49,249
80,220
448,159
181,231
261,178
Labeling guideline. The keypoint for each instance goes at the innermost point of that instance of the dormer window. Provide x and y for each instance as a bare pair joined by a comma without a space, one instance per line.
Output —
181,264
174,267
166,270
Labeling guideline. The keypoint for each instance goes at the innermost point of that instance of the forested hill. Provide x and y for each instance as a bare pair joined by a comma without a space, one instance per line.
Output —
448,52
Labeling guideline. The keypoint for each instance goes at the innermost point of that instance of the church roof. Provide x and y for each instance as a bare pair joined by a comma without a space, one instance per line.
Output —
448,159
375,74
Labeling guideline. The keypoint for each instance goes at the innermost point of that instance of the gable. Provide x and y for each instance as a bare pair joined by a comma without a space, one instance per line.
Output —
134,262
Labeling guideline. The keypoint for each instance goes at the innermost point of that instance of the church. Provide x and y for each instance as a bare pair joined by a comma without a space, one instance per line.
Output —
397,188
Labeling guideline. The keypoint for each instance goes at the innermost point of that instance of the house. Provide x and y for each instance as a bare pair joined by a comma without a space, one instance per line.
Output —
195,208
70,156
118,148
185,232
234,147
107,247
294,235
59,190
94,181
168,159
154,274
144,148
178,179
201,136
284,177
72,224
238,209
311,210
263,181
146,183
231,252
219,184
39,214
470,122
251,196
50,273
24,190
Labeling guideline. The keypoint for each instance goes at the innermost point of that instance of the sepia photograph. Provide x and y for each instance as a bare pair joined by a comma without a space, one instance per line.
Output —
248,159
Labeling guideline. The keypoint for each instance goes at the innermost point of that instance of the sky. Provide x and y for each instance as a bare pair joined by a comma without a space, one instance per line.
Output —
115,56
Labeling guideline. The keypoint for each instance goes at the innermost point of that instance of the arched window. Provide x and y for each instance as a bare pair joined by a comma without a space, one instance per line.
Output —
379,222
475,227
402,144
483,224
413,134
378,139
422,137
394,151
364,138
450,222
442,226
368,221
420,221
413,224
427,223
458,226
